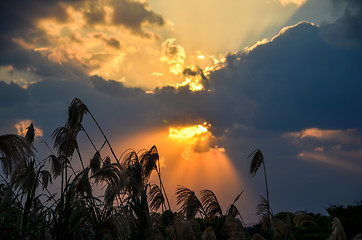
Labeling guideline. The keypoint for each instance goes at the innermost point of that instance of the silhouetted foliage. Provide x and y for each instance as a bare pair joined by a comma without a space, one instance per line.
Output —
28,210
350,217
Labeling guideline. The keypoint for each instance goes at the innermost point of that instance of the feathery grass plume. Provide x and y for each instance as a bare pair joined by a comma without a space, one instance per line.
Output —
139,206
155,197
95,162
112,227
156,220
130,157
106,223
65,140
338,231
112,174
257,236
46,178
149,162
76,111
302,218
115,178
70,218
184,229
190,204
208,234
13,149
81,184
233,211
24,176
134,173
158,226
211,204
282,227
107,161
234,229
57,164
30,134
256,161
263,211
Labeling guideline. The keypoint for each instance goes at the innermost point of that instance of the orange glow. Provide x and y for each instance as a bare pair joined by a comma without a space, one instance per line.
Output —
22,125
211,169
193,83
187,133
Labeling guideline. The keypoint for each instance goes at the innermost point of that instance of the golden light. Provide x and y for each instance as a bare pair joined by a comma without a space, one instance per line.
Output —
298,3
211,169
204,27
192,82
187,133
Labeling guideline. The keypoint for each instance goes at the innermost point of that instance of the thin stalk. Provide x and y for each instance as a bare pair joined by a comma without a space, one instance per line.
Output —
100,129
86,133
66,173
163,188
267,198
62,185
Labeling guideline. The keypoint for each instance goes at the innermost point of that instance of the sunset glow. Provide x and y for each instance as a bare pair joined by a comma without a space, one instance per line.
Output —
22,125
206,82
188,133
181,165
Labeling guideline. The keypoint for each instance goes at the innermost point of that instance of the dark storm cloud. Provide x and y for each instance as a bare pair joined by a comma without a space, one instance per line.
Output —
128,13
134,14
19,15
113,88
346,30
12,94
298,80
12,54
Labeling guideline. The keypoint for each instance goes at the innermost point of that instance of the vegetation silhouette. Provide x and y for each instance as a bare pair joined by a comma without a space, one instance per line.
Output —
130,205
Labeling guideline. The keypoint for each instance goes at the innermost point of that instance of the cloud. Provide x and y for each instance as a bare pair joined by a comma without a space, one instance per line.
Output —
19,17
12,94
344,31
298,80
338,148
349,136
298,3
22,126
83,37
113,88
174,55
134,15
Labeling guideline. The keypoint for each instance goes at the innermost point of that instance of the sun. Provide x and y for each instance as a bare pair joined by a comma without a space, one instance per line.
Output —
188,133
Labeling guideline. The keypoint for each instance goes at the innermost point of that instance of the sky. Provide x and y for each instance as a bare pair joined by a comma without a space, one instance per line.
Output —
207,82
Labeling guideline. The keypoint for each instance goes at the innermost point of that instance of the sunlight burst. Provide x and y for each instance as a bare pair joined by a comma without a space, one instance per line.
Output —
187,133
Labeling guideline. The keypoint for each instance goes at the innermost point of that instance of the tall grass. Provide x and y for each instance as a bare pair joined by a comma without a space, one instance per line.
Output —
130,206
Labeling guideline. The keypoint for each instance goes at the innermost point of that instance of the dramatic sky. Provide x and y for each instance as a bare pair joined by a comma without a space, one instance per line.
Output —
207,82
